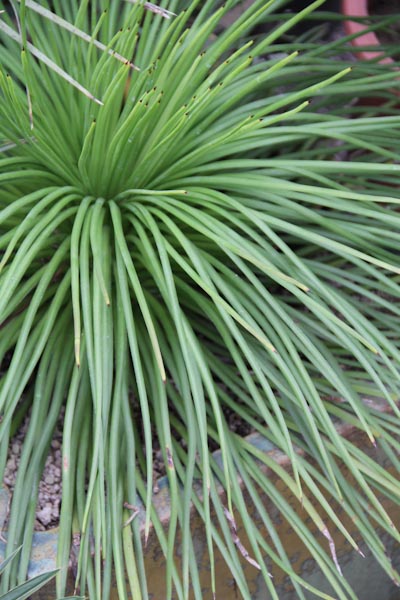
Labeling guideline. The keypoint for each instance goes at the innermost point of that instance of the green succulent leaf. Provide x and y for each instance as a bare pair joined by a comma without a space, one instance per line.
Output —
25,590
199,238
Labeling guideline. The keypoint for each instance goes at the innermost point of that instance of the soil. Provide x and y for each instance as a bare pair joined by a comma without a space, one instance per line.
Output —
50,486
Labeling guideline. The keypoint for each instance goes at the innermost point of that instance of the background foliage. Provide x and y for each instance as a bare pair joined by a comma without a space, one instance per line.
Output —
208,226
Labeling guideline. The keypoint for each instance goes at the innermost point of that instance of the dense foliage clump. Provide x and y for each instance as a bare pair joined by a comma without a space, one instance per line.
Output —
196,219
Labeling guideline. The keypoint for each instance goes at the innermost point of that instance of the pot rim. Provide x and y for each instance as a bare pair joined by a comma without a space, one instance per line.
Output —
359,8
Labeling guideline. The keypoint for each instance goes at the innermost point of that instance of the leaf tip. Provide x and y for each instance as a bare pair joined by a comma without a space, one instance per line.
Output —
360,552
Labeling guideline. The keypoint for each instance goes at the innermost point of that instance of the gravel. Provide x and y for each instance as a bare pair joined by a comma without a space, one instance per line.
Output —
50,486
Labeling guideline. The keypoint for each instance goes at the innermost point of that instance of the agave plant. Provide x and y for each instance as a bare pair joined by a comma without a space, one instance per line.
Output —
191,226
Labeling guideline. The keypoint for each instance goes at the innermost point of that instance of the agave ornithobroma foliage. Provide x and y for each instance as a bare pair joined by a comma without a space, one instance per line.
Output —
184,236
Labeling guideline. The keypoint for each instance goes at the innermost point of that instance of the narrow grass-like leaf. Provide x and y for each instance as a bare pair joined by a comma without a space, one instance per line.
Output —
48,62
212,246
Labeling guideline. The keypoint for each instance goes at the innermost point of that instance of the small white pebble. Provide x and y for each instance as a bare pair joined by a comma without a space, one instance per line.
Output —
44,515
16,448
11,464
